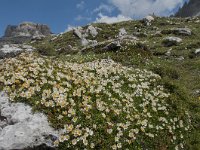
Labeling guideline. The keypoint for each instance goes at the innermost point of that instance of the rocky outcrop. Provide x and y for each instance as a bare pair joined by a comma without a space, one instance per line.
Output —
24,32
114,46
182,31
27,29
148,20
171,41
83,34
21,129
122,32
11,50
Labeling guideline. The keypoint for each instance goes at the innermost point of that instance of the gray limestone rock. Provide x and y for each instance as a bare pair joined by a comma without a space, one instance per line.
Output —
21,128
113,46
27,29
78,32
197,52
122,32
11,50
92,31
171,41
182,31
148,20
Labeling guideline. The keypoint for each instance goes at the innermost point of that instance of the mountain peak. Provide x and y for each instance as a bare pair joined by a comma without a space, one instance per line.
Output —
189,9
27,29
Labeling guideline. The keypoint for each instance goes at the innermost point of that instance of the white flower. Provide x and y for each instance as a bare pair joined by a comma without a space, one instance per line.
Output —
74,142
92,145
109,131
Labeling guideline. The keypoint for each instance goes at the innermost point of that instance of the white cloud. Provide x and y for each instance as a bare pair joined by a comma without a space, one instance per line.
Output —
70,28
80,5
80,18
110,20
103,7
141,8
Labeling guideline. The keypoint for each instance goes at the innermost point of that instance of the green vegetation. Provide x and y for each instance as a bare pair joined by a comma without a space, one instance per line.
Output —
179,77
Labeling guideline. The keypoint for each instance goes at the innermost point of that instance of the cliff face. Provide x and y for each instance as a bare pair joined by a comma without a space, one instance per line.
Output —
192,8
24,32
28,30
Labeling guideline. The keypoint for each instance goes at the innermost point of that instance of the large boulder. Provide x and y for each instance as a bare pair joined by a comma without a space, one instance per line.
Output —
82,34
21,129
182,31
92,31
113,46
197,52
11,50
122,32
171,41
78,32
148,20
194,53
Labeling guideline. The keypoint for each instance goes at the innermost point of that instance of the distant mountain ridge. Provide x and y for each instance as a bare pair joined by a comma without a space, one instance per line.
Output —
26,31
189,9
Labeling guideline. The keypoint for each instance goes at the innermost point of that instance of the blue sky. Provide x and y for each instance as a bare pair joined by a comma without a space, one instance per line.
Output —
59,14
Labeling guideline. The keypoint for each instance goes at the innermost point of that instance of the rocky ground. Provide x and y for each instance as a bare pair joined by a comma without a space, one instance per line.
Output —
110,86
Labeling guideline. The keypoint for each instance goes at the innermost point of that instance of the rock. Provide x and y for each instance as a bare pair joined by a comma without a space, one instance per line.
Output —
24,32
180,58
84,42
38,37
122,32
178,31
25,129
67,50
171,41
78,32
168,53
27,29
70,47
11,50
182,31
28,48
54,38
92,42
197,92
148,20
114,46
82,34
197,52
128,38
14,40
157,34
92,31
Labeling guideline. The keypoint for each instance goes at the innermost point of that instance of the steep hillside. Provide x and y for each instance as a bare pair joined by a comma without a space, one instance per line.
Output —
114,86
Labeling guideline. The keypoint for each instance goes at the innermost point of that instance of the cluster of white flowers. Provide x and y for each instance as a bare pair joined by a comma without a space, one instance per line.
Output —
99,104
